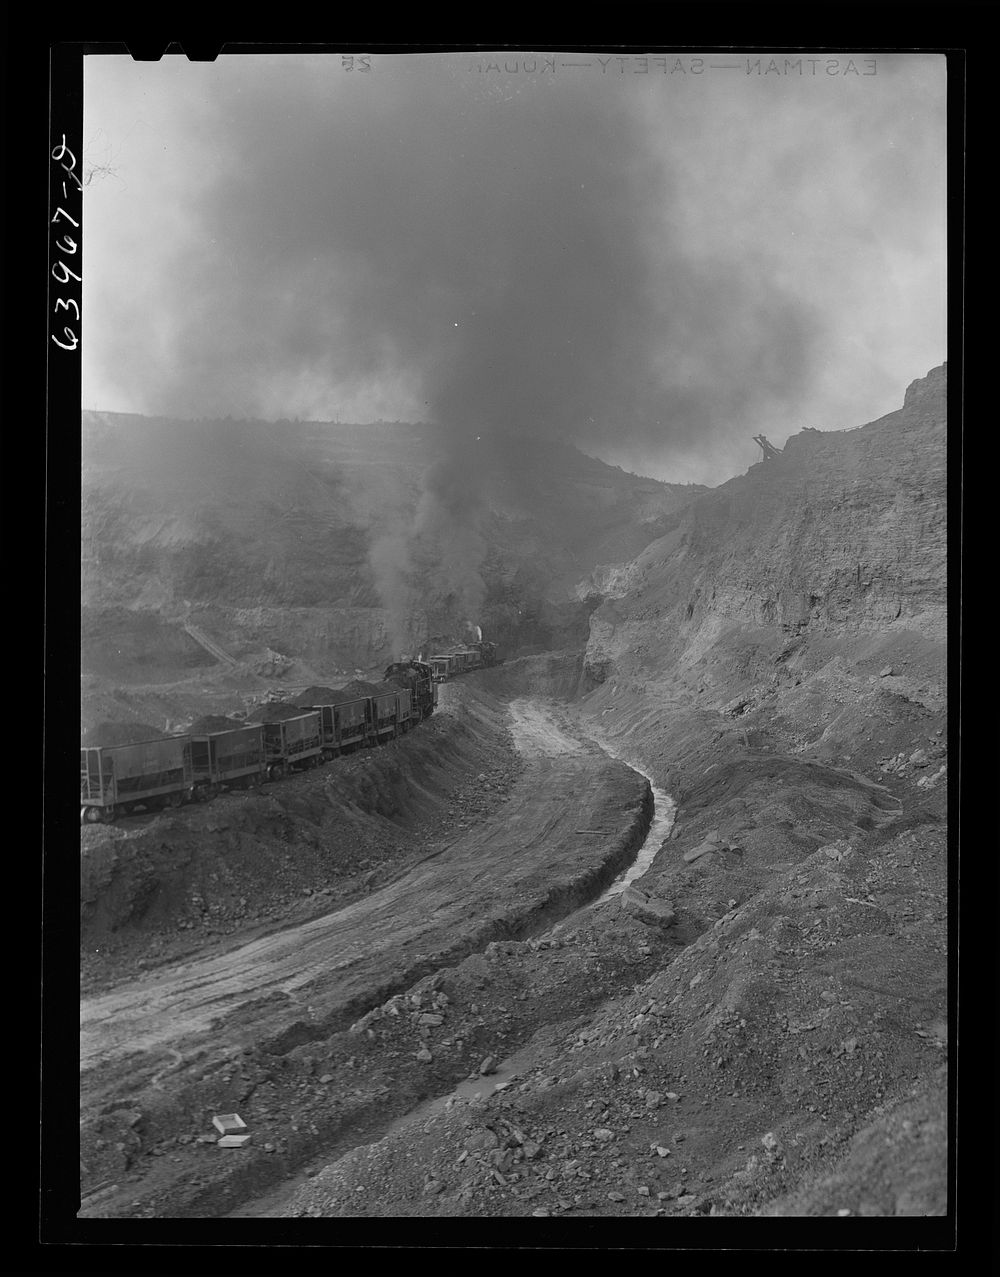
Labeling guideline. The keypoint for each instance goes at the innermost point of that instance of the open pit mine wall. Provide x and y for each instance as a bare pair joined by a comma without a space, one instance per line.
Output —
841,536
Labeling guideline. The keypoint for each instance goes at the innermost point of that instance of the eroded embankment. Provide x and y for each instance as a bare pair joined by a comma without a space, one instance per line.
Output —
729,1059
191,1039
722,1060
161,887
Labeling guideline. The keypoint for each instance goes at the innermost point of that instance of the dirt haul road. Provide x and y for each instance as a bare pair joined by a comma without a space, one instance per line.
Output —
512,875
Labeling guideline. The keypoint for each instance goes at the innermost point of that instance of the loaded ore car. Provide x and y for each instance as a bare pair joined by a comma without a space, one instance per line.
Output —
116,778
406,714
292,743
227,758
443,667
343,727
219,753
383,716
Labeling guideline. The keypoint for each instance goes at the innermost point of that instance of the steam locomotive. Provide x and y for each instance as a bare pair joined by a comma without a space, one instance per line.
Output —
170,770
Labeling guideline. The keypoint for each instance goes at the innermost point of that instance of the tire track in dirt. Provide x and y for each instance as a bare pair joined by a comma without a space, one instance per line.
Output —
493,879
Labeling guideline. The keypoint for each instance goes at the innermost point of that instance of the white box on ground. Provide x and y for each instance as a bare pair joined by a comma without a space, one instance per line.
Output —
228,1123
233,1141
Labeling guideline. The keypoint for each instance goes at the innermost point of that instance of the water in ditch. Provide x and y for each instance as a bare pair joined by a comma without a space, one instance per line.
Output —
474,1088
664,811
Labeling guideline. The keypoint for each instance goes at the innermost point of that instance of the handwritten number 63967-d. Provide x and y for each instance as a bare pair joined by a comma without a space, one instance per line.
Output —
68,246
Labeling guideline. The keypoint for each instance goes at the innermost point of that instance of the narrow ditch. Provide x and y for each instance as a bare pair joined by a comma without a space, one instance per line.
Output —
253,1190
664,813
659,811
561,903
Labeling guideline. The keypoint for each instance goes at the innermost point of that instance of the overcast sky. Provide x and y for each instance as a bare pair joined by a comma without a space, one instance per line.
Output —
653,258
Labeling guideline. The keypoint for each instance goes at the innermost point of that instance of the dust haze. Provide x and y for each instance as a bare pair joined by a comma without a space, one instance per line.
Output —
650,267
653,264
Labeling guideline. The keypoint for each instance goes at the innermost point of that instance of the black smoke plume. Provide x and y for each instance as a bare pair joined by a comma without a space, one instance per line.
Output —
509,254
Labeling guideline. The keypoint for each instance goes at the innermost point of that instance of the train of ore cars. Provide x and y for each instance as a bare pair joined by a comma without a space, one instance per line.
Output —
170,770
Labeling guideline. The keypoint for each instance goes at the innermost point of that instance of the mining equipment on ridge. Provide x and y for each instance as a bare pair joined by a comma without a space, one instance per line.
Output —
769,450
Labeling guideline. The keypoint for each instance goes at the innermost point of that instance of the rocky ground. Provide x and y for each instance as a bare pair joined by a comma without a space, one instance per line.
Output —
751,1051
403,971
760,1053
233,1005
